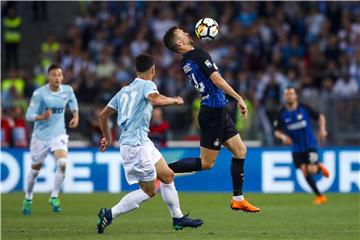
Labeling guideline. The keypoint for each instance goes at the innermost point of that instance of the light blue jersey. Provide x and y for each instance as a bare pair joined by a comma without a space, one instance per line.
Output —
44,99
134,111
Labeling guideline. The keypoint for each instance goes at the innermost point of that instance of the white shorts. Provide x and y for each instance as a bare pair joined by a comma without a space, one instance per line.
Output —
39,148
139,162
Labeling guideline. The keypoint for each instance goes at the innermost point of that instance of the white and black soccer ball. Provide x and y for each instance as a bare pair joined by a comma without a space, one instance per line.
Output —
207,29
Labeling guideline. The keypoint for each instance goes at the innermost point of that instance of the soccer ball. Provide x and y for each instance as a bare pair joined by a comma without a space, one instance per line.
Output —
206,29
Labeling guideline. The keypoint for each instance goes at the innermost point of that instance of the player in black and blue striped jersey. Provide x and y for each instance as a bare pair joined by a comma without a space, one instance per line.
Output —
216,126
293,126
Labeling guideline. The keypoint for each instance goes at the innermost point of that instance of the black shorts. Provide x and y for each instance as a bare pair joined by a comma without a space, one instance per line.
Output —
216,127
308,157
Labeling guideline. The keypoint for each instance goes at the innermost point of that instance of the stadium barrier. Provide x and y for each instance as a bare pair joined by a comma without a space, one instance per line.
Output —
267,170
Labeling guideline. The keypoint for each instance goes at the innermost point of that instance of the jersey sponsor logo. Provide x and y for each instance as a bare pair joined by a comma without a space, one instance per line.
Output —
208,64
187,68
57,110
297,125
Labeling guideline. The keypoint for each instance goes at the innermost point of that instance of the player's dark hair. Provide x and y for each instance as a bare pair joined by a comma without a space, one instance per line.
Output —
53,67
144,62
169,39
291,87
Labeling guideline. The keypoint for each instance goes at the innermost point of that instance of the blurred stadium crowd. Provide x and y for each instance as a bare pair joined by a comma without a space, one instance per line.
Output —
263,47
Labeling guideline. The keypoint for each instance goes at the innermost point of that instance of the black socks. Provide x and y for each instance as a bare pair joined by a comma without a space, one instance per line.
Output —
312,184
186,165
237,174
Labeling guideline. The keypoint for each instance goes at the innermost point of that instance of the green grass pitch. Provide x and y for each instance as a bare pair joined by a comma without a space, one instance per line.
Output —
282,216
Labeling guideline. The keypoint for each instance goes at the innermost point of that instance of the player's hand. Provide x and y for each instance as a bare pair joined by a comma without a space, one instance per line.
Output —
243,109
286,140
74,122
104,144
179,100
322,135
47,114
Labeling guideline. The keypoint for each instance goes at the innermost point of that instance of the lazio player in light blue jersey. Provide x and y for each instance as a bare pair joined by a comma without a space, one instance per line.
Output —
143,163
46,110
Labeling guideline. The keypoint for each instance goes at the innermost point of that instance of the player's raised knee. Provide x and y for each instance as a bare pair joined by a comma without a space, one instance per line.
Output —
207,164
243,150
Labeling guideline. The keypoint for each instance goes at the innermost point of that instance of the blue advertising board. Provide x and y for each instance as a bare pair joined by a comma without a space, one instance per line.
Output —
268,170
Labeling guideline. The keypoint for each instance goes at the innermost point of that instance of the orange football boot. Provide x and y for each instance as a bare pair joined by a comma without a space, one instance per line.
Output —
243,205
321,199
324,170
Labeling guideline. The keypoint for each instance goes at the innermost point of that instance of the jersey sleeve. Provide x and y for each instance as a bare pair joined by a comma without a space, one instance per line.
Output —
34,107
206,63
73,103
149,88
113,103
312,113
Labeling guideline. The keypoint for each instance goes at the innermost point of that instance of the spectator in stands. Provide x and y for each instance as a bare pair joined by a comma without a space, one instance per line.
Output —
158,129
6,125
11,25
19,131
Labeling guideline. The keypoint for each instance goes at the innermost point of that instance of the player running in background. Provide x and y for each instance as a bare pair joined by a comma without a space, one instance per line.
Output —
143,163
216,126
47,110
293,126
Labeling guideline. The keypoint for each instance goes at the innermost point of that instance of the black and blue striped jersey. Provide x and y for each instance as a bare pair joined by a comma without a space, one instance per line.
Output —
198,66
297,125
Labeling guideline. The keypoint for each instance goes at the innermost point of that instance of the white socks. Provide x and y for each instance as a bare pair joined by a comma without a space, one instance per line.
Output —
30,180
59,176
129,202
171,198
238,198
133,200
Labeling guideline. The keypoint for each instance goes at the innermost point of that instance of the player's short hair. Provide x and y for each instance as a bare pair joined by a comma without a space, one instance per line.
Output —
291,87
144,62
169,39
53,67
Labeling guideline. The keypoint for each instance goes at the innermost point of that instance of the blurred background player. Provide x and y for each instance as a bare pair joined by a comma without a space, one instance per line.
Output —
216,126
47,109
143,163
293,126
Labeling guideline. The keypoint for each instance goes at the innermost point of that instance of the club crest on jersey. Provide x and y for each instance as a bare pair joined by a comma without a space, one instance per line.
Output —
187,68
299,116
208,64
217,143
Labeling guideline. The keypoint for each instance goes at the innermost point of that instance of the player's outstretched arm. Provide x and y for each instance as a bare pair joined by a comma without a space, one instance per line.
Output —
105,129
322,127
157,99
220,82
283,137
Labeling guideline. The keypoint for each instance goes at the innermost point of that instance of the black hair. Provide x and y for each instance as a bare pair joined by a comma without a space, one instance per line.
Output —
291,87
144,62
53,67
169,39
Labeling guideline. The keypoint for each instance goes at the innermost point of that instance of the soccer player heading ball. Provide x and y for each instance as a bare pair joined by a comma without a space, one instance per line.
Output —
216,126
293,126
